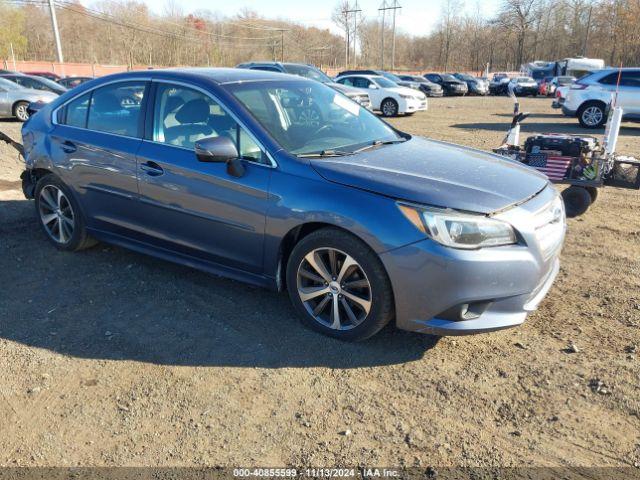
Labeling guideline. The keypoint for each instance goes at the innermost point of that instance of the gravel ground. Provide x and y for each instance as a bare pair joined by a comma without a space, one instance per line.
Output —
113,358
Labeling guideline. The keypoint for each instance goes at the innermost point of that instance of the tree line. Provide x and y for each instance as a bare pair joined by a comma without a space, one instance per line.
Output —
127,32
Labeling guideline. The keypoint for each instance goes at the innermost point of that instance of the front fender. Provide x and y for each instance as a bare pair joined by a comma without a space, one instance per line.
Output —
296,201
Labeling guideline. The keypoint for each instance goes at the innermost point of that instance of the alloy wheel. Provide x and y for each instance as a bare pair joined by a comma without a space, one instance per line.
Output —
389,108
592,116
334,288
22,113
56,214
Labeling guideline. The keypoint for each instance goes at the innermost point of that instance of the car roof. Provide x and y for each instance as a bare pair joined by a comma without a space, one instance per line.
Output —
219,76
365,75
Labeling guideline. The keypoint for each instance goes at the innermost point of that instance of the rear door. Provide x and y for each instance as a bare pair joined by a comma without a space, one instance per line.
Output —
194,208
94,142
629,92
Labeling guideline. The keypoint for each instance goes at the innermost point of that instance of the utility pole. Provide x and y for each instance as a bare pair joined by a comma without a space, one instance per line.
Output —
383,8
56,32
346,12
355,12
394,7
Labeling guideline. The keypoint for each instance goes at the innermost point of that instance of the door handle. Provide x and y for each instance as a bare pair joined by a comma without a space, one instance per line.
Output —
68,147
151,168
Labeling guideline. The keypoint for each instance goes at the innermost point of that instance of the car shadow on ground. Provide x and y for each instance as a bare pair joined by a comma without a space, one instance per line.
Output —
110,303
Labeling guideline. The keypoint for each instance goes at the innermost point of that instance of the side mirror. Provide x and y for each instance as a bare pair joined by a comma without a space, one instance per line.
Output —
373,86
220,150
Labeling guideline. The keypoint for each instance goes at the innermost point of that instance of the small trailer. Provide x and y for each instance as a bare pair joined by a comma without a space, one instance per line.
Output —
583,162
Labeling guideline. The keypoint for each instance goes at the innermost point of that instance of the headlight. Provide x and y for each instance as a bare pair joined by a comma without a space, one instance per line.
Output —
459,230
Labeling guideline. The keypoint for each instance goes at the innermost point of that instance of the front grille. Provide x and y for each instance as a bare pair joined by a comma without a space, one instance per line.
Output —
550,225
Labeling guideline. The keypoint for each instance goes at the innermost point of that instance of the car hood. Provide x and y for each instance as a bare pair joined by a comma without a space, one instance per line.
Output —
405,91
435,173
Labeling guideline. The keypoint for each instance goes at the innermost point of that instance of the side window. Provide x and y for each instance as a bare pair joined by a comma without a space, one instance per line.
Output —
182,116
361,82
610,79
76,111
116,108
346,81
630,79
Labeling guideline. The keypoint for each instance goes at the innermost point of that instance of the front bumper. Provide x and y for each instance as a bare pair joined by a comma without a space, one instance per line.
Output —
501,284
412,106
568,112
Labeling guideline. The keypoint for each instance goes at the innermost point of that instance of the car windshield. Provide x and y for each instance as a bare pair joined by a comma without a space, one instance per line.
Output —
50,84
465,77
384,82
8,84
448,78
391,76
525,80
308,72
308,118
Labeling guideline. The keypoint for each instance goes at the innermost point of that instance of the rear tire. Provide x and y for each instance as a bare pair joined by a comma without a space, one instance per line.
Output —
59,215
339,286
592,114
389,107
593,192
576,200
20,111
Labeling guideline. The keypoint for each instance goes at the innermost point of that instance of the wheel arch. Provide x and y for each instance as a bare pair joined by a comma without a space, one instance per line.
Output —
15,104
295,235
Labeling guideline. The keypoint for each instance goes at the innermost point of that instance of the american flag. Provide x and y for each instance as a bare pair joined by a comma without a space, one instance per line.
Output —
554,167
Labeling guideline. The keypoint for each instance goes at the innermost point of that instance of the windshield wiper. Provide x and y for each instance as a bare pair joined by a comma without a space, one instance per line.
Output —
325,153
377,143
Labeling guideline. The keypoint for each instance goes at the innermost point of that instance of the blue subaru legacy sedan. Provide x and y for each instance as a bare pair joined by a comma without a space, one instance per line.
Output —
285,183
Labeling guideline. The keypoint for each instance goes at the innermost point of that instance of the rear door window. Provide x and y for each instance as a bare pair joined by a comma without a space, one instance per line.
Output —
76,112
630,79
117,109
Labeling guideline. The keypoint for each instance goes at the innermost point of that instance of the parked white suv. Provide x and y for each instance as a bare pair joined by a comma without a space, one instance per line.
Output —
591,96
387,96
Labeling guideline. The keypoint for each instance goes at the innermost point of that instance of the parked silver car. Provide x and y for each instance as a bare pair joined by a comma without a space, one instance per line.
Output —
14,99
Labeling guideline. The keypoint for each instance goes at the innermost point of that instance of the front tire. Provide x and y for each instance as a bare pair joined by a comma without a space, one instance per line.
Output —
20,111
592,115
339,286
389,107
59,215
576,200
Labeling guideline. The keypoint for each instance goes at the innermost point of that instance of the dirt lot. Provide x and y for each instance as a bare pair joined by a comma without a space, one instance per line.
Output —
112,358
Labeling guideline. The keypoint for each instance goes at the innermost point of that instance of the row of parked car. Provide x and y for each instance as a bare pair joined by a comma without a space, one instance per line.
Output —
18,90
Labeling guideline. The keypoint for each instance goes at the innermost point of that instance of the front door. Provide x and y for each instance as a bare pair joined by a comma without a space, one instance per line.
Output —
197,208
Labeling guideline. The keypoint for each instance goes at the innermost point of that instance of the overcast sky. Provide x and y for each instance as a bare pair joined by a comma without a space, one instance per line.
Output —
417,17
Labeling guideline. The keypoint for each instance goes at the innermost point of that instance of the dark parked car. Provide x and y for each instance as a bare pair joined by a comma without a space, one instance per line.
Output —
388,75
313,73
362,224
430,89
54,77
35,83
450,84
475,85
499,84
72,82
522,86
